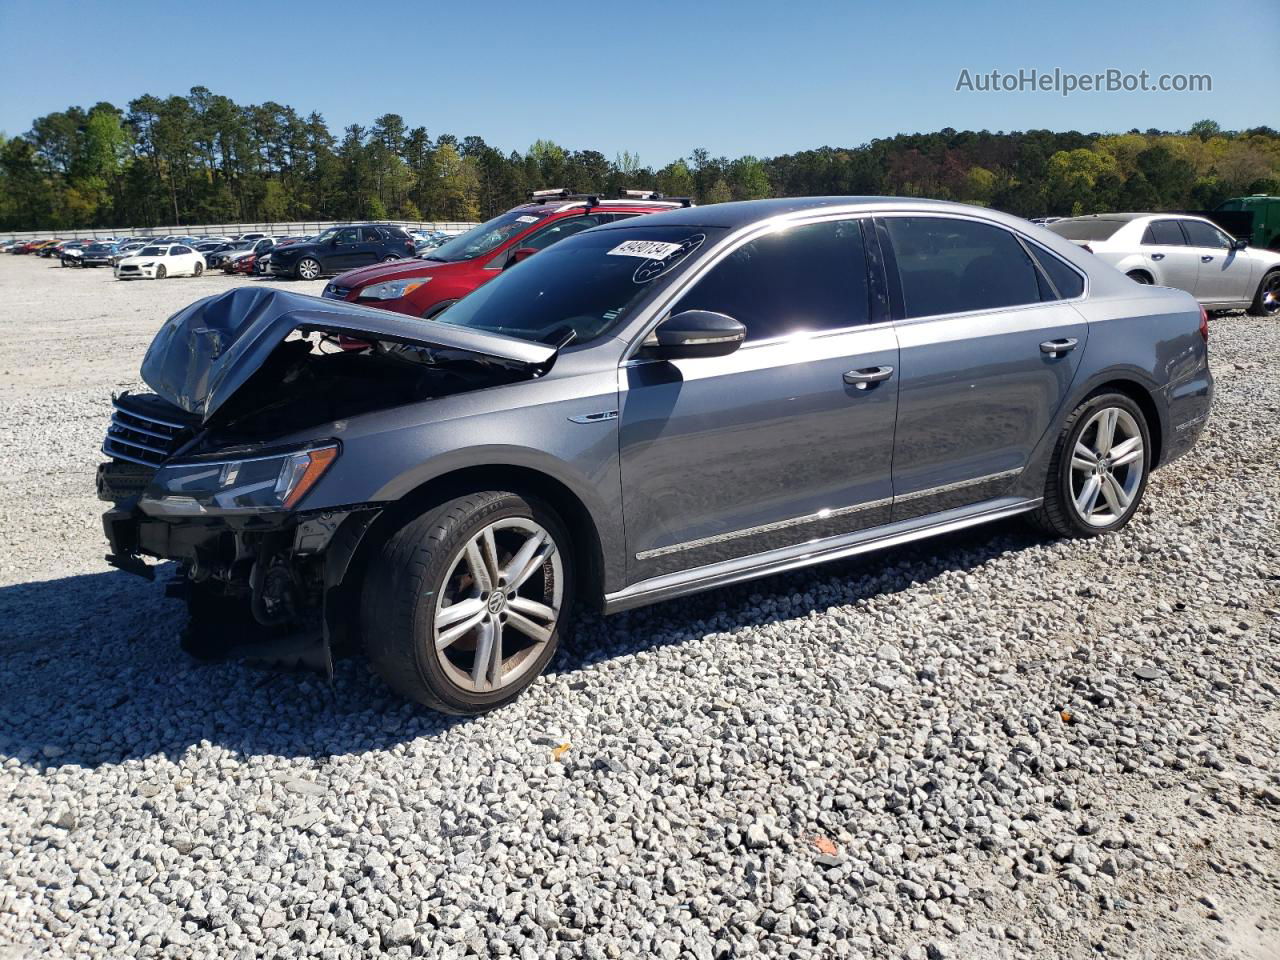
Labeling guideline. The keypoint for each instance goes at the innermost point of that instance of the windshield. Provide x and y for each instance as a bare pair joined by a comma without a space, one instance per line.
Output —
583,286
1090,229
152,252
485,238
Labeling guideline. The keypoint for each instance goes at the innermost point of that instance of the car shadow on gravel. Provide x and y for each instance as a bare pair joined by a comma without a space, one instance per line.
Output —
91,671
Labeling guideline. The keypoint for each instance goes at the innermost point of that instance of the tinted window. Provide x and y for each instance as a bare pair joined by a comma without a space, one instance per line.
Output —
810,277
1088,228
1068,283
348,235
1164,233
487,237
564,228
1201,234
371,234
952,266
178,250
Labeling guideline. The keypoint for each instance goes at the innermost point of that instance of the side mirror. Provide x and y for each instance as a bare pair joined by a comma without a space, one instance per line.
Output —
695,333
523,253
1239,243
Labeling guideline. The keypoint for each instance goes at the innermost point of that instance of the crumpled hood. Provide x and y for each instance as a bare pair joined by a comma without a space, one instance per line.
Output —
206,352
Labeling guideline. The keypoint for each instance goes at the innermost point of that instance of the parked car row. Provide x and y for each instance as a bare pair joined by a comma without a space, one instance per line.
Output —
639,400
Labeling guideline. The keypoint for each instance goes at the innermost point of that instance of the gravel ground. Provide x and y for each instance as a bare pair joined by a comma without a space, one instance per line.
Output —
985,746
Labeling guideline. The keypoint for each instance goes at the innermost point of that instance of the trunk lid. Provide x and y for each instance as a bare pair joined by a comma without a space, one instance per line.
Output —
206,352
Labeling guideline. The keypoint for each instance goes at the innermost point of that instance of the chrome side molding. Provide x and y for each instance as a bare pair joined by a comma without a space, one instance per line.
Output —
800,555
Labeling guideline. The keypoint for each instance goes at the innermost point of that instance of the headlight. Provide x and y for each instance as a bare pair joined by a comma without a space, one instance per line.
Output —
252,485
392,289
147,264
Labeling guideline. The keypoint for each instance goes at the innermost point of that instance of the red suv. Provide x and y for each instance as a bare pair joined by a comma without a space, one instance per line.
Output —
443,276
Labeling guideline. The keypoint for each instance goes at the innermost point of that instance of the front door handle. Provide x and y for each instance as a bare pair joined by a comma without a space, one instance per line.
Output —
1206,259
1056,348
867,376
1157,256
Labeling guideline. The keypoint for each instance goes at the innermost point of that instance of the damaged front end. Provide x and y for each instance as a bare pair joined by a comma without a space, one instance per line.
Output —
213,470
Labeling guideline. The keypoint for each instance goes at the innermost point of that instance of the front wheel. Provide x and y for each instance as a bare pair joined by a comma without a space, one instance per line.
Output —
464,606
308,268
161,272
391,259
1266,302
198,269
1098,473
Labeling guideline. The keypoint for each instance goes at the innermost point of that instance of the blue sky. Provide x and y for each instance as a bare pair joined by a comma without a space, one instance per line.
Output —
658,79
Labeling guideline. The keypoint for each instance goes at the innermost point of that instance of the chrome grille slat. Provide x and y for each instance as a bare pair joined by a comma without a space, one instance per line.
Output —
117,421
140,416
137,436
163,451
109,449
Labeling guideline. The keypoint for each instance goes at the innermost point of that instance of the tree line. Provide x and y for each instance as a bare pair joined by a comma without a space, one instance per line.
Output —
202,158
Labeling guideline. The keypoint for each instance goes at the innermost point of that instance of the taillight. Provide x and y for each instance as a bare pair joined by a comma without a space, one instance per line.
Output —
1204,324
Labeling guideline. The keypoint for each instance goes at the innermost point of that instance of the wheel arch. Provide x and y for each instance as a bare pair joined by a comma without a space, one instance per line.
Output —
1141,395
588,551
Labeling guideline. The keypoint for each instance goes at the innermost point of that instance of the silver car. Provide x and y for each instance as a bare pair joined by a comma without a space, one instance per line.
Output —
651,408
1190,253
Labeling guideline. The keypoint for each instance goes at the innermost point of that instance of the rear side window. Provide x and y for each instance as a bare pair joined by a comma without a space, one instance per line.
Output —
1067,281
955,266
371,234
1090,228
808,277
1200,234
1164,233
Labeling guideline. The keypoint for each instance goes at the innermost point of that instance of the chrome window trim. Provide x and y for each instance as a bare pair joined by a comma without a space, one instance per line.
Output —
659,310
825,514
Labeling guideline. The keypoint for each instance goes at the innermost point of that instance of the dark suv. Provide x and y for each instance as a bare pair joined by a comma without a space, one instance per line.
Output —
342,248
646,409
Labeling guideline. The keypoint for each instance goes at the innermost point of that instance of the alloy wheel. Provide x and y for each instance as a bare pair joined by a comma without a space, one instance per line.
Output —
1107,466
499,605
1271,294
308,269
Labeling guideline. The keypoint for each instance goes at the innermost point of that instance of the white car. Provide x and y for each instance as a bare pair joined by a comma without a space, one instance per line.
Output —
1175,250
159,261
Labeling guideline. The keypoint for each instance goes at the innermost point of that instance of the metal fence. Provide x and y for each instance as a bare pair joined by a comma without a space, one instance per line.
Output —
298,228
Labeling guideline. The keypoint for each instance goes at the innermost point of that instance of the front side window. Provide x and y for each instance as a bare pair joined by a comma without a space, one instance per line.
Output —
584,287
348,235
1164,233
955,266
807,277
1201,234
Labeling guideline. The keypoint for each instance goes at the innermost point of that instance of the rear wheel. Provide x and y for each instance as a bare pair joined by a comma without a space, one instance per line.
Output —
199,269
308,268
465,605
1098,473
1137,276
1266,302
391,259
161,272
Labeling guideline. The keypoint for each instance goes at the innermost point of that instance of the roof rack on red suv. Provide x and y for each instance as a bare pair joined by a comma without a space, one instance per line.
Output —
426,286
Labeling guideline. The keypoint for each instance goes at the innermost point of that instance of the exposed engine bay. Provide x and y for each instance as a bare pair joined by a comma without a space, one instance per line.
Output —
233,376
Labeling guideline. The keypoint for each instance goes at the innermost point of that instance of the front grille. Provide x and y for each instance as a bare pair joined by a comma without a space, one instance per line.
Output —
145,429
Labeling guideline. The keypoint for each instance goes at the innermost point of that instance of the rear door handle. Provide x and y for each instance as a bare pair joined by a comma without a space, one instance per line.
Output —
867,376
1056,347
1157,256
1206,259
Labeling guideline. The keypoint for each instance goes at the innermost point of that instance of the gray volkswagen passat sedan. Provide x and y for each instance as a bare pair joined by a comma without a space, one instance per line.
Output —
645,410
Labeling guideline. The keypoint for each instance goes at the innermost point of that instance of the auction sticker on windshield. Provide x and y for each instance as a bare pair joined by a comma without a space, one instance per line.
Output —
645,249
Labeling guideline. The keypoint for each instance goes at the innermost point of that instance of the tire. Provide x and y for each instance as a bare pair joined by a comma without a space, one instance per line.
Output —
161,272
391,259
424,564
1061,513
1266,302
198,269
308,268
1137,276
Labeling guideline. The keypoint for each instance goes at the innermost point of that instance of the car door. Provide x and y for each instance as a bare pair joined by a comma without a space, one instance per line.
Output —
777,443
1172,264
1225,274
988,348
370,248
344,252
182,260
